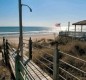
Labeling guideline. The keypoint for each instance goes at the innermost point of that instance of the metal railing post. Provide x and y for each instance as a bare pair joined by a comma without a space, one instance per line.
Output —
30,49
56,63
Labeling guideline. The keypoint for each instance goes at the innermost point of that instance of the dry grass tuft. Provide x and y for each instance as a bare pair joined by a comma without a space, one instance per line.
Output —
4,73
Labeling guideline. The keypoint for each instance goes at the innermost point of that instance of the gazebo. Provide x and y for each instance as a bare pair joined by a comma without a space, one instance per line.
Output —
81,23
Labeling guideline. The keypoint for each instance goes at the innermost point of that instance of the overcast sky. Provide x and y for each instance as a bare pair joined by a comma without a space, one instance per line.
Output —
45,12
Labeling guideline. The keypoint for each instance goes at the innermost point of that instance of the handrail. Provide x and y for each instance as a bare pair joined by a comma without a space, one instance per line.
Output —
39,70
62,77
44,46
69,73
43,51
43,64
10,48
73,66
34,72
73,56
26,70
46,59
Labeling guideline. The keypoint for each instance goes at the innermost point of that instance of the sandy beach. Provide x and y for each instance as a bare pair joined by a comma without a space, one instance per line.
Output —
15,39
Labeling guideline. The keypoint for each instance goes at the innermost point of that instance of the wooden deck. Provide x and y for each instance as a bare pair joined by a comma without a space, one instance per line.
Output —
80,35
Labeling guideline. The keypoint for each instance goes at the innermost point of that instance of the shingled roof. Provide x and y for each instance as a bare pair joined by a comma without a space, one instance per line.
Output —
80,23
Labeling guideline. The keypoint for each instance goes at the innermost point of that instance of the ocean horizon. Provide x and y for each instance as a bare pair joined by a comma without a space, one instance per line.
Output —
27,30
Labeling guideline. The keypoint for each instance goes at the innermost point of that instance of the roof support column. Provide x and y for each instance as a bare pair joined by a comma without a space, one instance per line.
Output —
68,27
75,30
81,27
81,30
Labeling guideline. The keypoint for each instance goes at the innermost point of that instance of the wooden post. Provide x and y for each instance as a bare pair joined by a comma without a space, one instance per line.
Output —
30,49
75,31
21,32
56,64
4,49
81,30
5,56
7,52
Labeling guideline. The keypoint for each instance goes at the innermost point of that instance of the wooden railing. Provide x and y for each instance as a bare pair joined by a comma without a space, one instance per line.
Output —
52,64
73,34
22,70
58,67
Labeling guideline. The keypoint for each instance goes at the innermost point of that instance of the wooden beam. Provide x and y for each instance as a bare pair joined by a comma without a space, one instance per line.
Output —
75,30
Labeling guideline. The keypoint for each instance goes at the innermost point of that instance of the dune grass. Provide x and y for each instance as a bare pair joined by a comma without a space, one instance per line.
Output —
73,47
4,73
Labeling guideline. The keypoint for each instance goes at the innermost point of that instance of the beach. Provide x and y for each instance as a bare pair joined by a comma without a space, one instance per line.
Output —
36,33
15,39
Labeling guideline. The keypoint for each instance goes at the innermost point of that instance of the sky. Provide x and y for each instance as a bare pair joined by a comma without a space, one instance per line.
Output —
45,12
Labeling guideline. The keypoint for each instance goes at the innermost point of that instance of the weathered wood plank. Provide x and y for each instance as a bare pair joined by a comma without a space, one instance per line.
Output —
38,71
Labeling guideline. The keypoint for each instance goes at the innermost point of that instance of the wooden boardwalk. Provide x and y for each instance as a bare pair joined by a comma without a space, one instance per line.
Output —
34,71
37,72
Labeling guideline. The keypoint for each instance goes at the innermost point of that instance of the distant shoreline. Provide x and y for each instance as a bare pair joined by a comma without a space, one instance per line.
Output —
27,31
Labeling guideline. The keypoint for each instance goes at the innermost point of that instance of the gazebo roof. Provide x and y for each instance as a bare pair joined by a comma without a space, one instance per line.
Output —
80,23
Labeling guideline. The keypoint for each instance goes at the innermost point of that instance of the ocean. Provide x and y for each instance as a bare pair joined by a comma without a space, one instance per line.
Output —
29,30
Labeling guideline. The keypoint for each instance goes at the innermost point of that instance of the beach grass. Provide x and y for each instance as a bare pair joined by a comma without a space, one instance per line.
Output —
73,47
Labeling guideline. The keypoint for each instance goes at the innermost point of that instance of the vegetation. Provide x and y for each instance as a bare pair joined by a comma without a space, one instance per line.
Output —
68,45
44,49
4,71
